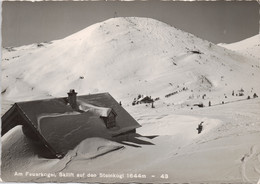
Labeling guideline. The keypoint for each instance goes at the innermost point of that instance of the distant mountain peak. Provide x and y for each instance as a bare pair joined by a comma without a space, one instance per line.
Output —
125,56
249,46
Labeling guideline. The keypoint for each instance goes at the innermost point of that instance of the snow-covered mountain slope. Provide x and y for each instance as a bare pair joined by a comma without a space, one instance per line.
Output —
126,57
249,46
131,56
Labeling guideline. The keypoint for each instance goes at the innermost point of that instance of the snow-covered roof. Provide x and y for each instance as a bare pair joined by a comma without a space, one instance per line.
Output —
100,111
143,98
62,128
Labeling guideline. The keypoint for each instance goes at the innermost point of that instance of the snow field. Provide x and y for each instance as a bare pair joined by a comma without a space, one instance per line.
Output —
131,56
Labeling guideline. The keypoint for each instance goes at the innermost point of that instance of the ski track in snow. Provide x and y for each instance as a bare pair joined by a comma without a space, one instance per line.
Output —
245,159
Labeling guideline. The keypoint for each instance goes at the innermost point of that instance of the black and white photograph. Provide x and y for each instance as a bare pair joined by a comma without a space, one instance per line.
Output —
130,92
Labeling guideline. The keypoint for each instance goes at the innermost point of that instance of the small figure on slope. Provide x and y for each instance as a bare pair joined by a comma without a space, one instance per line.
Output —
153,105
200,127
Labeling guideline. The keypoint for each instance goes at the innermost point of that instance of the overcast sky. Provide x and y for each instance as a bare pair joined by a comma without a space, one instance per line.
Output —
221,21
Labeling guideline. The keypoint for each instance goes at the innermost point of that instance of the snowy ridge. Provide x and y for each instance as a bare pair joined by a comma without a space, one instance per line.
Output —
249,46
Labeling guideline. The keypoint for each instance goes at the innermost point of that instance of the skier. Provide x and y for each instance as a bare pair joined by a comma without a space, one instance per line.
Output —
200,127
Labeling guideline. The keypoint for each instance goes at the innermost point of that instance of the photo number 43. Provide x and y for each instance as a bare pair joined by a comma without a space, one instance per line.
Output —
164,176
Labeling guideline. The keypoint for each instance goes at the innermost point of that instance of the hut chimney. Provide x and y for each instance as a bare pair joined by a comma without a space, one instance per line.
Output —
72,99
